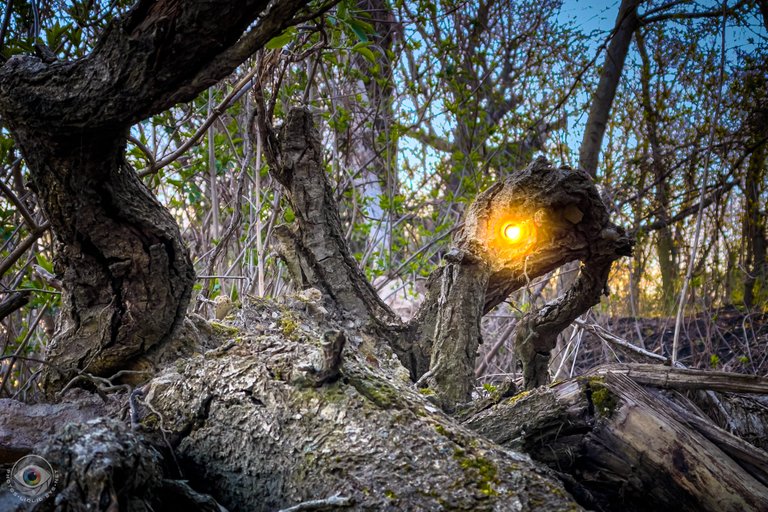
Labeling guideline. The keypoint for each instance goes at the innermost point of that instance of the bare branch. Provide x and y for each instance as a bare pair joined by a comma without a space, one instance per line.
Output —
714,13
20,249
19,204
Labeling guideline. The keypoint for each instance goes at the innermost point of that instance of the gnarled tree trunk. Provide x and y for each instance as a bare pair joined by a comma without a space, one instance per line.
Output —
311,402
560,218
126,273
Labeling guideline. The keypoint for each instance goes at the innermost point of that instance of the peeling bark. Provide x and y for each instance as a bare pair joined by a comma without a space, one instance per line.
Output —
627,448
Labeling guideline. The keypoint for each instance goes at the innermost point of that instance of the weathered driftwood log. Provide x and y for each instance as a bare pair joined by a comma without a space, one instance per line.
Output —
533,222
628,448
250,427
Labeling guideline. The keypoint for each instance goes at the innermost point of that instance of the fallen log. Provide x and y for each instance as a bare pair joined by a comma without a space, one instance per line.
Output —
247,425
627,448
251,429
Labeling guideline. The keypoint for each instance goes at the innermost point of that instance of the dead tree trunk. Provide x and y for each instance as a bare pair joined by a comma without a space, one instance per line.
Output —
624,447
126,273
535,221
251,428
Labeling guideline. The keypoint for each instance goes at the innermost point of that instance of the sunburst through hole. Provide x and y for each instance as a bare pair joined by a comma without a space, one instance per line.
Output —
513,233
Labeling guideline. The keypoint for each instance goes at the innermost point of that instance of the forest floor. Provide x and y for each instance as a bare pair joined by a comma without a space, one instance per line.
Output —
726,339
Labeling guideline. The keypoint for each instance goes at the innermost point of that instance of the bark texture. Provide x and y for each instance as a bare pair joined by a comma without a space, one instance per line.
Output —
560,218
126,274
18,439
318,247
630,448
369,436
250,428
536,333
101,465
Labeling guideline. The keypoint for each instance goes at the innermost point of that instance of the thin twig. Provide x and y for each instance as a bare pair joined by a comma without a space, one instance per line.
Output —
19,204
612,338
144,149
244,83
6,22
27,336
700,214
20,249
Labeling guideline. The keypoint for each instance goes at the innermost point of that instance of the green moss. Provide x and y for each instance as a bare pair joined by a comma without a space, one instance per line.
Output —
333,393
379,392
441,430
426,391
150,422
390,494
288,326
478,469
518,396
604,401
223,330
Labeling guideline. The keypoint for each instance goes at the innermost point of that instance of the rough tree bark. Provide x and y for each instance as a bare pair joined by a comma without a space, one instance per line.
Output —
127,276
634,449
281,413
250,427
561,218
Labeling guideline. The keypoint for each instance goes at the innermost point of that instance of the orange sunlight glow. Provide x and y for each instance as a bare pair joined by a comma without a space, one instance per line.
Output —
511,235
513,232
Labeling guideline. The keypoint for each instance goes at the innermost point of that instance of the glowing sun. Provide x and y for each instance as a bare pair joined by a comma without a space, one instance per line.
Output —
513,233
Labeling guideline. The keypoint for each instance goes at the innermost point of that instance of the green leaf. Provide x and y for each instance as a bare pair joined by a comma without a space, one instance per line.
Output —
281,40
44,262
361,29
362,49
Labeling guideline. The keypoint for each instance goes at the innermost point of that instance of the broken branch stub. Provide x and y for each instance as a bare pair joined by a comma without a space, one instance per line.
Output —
538,219
314,247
